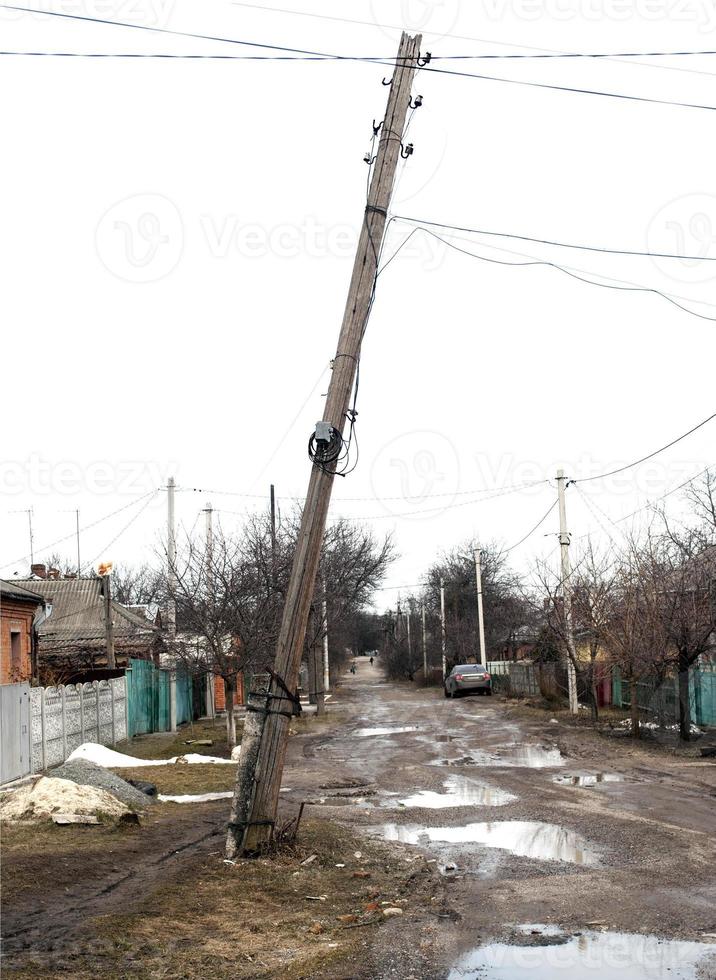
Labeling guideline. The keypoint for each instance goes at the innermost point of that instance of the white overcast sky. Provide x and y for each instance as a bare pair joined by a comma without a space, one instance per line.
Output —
178,235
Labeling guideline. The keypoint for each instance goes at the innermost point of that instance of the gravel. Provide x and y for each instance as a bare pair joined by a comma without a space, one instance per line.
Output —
88,774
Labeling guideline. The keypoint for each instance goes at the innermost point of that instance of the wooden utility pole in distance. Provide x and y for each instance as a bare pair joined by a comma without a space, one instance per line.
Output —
108,622
480,617
171,560
425,644
258,778
567,595
443,633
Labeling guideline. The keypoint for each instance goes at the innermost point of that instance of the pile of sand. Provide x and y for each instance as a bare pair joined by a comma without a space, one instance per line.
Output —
39,800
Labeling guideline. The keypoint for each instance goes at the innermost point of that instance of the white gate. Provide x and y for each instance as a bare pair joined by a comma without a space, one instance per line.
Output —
15,740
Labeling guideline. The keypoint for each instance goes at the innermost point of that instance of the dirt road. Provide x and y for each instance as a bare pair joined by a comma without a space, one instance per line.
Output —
493,826
633,852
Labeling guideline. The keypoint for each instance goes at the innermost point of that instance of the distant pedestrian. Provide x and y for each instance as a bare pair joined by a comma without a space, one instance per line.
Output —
371,661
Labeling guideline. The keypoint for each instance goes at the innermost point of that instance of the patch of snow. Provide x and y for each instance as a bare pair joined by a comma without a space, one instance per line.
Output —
195,797
103,756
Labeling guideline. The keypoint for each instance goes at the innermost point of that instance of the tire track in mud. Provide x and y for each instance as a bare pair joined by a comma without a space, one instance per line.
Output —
58,922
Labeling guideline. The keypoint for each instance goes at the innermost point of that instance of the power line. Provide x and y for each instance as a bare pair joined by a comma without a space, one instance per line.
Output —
125,528
377,59
569,88
529,534
643,459
624,287
650,503
86,527
322,55
541,52
422,222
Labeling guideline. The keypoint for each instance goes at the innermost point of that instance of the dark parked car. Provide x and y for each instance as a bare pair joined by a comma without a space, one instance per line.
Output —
466,678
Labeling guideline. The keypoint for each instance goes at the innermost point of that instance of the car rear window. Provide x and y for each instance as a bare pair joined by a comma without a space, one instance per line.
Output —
469,669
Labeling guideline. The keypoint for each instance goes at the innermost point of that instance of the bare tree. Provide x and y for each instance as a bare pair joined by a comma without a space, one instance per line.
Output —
592,587
633,627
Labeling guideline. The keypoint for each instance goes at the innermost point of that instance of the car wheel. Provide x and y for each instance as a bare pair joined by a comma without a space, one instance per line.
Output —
489,692
446,692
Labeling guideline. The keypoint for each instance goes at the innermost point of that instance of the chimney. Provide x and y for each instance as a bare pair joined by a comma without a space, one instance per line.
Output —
38,570
53,573
70,574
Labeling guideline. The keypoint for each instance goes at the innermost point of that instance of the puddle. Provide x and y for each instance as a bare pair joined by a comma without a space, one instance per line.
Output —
459,791
443,738
366,732
591,955
526,838
588,779
531,757
525,756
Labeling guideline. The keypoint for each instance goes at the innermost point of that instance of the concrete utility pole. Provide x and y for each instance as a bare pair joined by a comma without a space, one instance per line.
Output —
326,668
263,746
443,636
77,528
273,534
480,618
171,560
567,594
108,624
410,646
425,644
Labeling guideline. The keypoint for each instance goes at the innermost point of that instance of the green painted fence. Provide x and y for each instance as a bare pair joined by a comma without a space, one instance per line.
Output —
661,702
149,698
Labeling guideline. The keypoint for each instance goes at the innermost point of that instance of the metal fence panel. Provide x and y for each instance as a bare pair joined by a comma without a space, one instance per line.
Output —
15,732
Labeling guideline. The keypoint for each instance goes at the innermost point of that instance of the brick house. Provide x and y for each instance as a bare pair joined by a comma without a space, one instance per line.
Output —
20,608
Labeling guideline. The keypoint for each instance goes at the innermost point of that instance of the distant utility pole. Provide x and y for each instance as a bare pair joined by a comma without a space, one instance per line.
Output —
209,549
263,747
171,560
567,594
77,527
480,617
273,534
410,646
443,636
425,644
326,669
108,624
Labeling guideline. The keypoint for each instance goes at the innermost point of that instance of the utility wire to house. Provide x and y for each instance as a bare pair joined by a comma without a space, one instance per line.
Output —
424,222
619,285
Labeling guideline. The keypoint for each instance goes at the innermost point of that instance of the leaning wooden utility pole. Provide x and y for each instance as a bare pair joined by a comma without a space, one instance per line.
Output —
263,746
567,595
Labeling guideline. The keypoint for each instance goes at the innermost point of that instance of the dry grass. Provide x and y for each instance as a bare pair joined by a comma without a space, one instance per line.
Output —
248,920
180,779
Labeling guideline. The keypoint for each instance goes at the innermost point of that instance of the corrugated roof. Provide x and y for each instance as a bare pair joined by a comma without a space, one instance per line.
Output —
18,592
78,611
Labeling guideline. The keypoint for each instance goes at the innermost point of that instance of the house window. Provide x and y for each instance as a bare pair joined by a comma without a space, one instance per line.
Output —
16,652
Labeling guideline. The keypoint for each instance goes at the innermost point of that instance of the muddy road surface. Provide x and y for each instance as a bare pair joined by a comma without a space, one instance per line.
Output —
607,843
512,846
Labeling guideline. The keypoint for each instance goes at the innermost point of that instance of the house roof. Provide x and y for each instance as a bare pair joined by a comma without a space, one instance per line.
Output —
78,613
19,593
